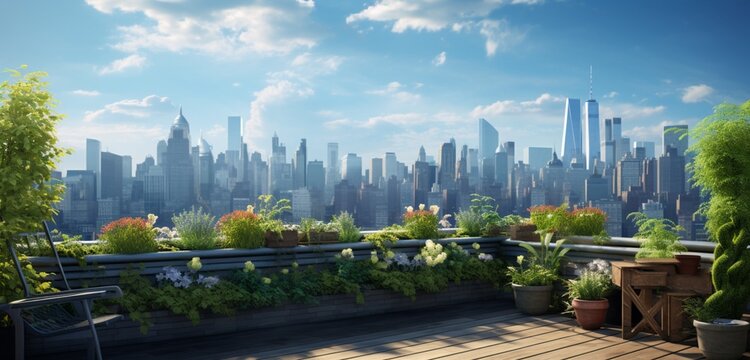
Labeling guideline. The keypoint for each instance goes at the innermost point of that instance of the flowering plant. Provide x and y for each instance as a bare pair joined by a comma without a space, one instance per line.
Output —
433,254
176,278
532,275
594,283
550,219
422,224
588,221
241,229
130,235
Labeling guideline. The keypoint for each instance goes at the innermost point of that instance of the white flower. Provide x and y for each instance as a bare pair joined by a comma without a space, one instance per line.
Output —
151,219
421,207
267,281
285,271
249,266
347,253
295,265
195,264
435,209
389,254
485,257
374,259
519,259
409,209
250,209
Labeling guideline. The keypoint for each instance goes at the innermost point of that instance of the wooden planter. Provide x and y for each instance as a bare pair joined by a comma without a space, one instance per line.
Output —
287,238
524,232
323,237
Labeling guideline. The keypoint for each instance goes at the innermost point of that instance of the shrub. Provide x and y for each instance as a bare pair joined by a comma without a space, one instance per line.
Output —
548,218
382,240
241,229
196,228
546,256
595,282
129,236
659,237
533,275
348,232
588,221
421,224
470,222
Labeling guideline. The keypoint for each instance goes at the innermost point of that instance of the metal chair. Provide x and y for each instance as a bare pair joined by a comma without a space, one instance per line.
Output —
62,312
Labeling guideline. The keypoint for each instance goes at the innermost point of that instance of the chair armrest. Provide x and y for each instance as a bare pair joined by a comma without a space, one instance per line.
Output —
55,298
109,292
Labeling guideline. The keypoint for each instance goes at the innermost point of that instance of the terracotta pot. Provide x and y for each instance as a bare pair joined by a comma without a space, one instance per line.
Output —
590,314
688,265
532,300
722,339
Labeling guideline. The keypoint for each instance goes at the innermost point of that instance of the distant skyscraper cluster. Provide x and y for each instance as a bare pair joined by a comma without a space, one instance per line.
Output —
596,166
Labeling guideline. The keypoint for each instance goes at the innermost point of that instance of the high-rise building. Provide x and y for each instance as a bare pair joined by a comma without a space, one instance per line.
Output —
537,157
161,151
234,133
422,154
670,172
94,162
352,166
376,171
676,137
111,176
447,170
572,140
488,141
422,182
648,147
300,165
205,170
391,166
596,188
333,174
178,166
316,176
127,166
591,142
628,173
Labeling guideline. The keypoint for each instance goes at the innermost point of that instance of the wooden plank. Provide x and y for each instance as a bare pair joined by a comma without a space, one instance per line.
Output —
691,352
655,351
581,336
626,347
494,346
454,341
582,348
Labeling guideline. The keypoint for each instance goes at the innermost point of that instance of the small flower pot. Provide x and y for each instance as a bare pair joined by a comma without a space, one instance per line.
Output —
722,338
525,232
590,314
688,265
287,238
532,300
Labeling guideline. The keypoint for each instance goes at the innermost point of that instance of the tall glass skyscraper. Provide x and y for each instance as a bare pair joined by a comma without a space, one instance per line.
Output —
94,162
488,141
591,142
572,141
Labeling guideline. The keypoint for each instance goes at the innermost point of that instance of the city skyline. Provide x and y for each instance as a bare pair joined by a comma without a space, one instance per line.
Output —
373,77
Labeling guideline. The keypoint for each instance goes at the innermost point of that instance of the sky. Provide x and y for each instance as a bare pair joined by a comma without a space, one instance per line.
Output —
374,76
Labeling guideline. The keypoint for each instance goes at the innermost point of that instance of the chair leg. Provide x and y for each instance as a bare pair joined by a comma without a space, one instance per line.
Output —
94,335
15,316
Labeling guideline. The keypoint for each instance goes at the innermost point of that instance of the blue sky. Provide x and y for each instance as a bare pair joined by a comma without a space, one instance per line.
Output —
384,75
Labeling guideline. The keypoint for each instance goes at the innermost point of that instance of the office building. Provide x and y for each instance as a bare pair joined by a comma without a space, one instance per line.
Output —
572,142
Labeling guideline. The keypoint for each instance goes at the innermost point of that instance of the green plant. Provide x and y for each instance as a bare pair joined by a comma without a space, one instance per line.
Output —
29,153
242,230
421,224
382,240
196,228
696,309
593,283
588,221
272,225
722,170
659,237
270,208
546,256
129,236
550,219
532,275
470,223
348,231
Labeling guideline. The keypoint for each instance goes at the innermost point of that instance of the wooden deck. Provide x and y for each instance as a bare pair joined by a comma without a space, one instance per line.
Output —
471,331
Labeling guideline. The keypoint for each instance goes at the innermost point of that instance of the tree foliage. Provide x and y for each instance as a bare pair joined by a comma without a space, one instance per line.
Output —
722,170
28,153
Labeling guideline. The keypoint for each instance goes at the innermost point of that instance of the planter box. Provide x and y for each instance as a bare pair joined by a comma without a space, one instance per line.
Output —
167,326
525,232
287,238
323,237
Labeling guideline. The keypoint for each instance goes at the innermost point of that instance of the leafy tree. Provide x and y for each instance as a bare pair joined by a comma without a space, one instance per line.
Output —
722,170
28,153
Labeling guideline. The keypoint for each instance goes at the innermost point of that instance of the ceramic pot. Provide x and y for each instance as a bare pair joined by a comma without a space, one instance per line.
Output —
722,338
590,314
532,300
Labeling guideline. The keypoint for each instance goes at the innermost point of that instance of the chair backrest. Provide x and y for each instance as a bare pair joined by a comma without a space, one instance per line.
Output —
46,234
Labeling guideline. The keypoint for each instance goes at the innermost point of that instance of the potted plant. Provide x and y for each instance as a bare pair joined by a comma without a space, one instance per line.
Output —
196,229
280,235
317,232
722,170
525,231
588,294
551,219
660,238
532,284
421,223
348,231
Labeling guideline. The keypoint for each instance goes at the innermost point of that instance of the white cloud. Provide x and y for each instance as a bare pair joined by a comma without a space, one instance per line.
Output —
128,109
88,93
696,93
401,120
652,133
611,95
394,89
439,59
133,61
501,107
337,123
631,111
436,15
317,65
216,28
275,92
236,84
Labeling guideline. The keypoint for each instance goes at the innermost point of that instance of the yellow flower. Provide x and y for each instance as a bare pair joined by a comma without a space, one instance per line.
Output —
374,259
295,265
476,246
519,259
195,264
249,266
435,209
285,271
267,281
250,209
390,255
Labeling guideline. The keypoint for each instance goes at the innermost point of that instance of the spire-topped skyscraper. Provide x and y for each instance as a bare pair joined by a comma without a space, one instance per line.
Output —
572,141
591,141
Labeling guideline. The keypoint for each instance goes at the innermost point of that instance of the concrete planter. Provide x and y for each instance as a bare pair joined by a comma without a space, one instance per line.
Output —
722,338
532,300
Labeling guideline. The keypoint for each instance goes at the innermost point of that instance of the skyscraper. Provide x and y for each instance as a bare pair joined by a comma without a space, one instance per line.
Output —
537,157
673,136
333,175
376,171
391,166
178,166
572,142
648,147
447,170
488,141
352,165
591,143
205,170
94,162
300,165
422,154
234,133
111,176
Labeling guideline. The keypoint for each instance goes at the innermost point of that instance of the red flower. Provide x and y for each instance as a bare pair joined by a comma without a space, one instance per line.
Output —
236,215
126,222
